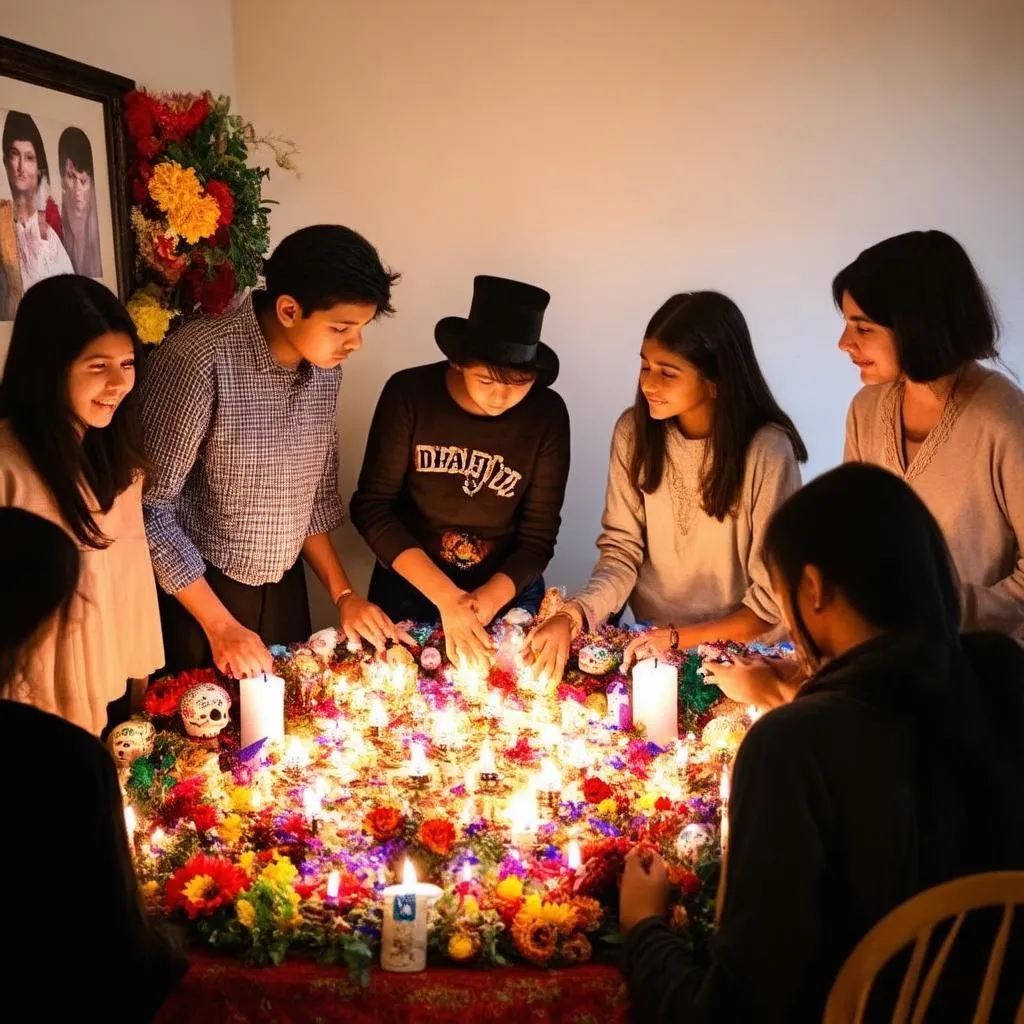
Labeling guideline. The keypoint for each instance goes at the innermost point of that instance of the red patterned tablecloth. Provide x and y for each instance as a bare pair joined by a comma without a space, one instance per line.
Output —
218,990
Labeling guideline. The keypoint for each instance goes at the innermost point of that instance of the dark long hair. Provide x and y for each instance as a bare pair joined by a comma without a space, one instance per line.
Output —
923,287
19,127
873,539
39,567
55,321
708,331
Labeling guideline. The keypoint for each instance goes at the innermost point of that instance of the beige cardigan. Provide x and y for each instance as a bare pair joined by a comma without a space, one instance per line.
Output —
970,473
110,633
667,557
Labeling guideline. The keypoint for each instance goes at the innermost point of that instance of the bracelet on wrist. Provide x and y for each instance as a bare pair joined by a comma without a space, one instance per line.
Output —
347,592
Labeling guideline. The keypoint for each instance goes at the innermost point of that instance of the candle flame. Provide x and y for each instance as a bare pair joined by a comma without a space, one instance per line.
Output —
378,716
574,856
130,820
333,885
408,873
486,762
467,872
418,764
158,836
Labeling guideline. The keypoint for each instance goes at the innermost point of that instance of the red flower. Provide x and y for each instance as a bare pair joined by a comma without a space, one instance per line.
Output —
384,823
225,200
53,217
219,882
687,881
204,817
437,835
663,804
502,680
213,295
141,122
595,790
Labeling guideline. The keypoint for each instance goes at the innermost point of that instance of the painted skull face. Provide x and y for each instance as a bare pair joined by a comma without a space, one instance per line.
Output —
204,710
130,740
323,643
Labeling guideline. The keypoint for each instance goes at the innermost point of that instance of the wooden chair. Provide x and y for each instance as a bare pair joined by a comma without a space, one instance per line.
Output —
915,922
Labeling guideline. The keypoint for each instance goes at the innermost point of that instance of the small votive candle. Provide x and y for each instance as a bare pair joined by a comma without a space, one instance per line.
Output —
419,768
378,719
407,909
573,856
486,769
333,885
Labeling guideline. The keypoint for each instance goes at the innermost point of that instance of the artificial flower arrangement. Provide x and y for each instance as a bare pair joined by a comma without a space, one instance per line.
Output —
199,217
286,847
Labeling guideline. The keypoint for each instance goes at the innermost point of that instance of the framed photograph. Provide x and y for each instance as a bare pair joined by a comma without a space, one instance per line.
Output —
64,187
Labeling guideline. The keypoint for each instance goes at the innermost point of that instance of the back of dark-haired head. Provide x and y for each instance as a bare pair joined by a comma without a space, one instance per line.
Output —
39,566
19,127
873,539
55,321
923,287
708,330
74,145
326,264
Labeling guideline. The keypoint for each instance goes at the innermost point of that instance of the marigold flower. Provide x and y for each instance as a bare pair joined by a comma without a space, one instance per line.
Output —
384,823
152,318
576,949
509,888
437,835
462,946
535,939
246,913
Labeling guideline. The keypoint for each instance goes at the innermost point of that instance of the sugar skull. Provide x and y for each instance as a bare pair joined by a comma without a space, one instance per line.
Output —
323,643
130,740
597,659
518,617
693,841
204,710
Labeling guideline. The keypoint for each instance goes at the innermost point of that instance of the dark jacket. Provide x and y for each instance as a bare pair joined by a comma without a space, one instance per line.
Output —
897,768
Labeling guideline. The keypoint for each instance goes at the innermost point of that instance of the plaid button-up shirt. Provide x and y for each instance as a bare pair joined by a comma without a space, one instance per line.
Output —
243,453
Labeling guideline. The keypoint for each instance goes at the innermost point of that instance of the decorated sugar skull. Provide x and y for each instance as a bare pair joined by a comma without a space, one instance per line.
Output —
323,643
430,659
204,710
518,617
597,659
130,740
693,841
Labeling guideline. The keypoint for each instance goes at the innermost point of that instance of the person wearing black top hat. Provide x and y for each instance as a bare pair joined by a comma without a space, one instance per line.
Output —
461,488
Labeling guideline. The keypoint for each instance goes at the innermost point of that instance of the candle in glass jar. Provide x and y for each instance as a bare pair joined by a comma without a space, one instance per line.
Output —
407,909
262,700
656,700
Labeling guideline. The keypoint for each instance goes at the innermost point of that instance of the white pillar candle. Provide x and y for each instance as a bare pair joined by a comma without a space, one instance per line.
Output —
724,788
262,699
407,908
333,886
656,700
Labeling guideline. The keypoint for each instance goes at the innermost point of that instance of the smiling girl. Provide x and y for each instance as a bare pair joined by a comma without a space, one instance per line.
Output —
71,452
698,466
918,323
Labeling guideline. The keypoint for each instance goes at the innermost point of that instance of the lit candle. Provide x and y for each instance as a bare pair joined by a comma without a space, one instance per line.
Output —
130,823
444,727
418,767
549,785
311,804
573,855
262,700
753,713
333,885
378,718
523,818
467,872
407,909
295,756
578,754
656,700
158,838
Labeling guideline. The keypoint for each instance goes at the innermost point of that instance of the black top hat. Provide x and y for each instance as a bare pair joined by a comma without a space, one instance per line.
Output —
503,329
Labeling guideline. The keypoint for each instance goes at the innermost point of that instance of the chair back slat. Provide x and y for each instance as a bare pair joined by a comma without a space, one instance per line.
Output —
931,980
983,1010
906,997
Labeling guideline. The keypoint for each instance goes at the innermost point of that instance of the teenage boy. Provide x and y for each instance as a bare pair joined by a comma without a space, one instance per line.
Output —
239,418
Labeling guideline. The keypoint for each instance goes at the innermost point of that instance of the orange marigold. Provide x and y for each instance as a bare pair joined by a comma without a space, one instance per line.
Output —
535,939
588,913
438,836
576,949
384,823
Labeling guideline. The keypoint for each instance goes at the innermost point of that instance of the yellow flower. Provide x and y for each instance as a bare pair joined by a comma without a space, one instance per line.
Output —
289,916
561,915
241,798
231,829
461,946
152,318
607,808
281,872
190,212
471,908
197,888
150,891
246,913
646,802
246,861
509,888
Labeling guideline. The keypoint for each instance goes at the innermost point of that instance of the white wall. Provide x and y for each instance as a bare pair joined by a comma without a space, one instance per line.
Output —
616,151
173,45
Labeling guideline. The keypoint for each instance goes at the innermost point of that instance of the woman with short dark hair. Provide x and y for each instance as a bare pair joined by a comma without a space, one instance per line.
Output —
918,324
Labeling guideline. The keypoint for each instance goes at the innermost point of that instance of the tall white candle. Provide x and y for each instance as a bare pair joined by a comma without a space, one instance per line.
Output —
407,907
262,699
656,700
724,788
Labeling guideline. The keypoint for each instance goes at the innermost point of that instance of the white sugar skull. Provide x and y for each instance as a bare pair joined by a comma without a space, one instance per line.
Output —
597,660
130,740
323,643
518,617
693,841
204,710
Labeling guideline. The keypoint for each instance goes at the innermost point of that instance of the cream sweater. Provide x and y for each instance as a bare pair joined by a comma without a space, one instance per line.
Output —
970,473
667,557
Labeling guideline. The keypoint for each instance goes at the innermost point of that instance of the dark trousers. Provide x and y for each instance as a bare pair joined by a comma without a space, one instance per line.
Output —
399,599
278,612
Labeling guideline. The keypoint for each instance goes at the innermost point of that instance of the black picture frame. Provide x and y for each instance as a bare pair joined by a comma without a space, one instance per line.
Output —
52,71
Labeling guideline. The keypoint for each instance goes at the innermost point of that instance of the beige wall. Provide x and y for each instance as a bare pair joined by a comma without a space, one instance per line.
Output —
615,151
165,44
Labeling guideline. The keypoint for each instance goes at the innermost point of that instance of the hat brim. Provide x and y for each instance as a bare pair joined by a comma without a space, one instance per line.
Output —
456,341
